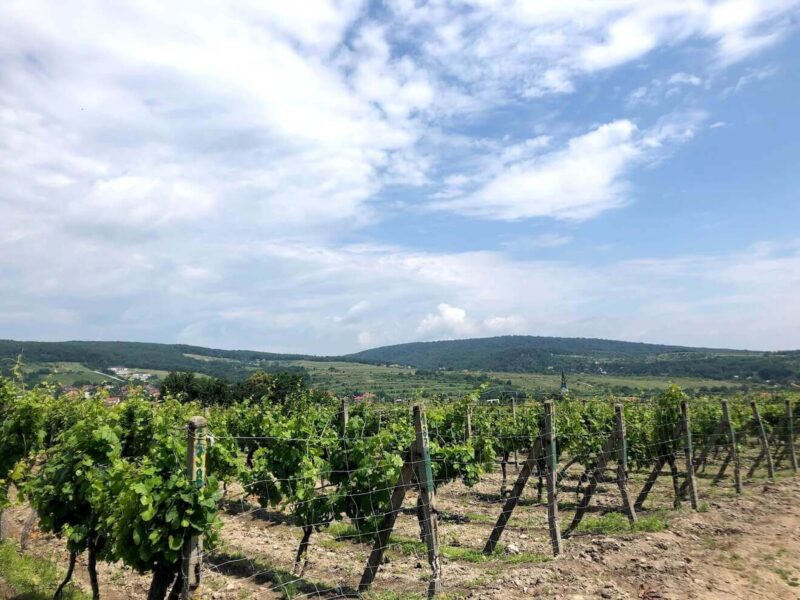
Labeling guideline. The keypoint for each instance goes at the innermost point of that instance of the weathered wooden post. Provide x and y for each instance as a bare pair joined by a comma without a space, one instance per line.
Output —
616,442
686,431
790,435
516,493
345,416
622,462
430,530
514,419
549,446
733,453
196,471
762,436
468,423
387,523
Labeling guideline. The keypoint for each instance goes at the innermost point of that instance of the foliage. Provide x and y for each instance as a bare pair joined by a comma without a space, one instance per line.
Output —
69,491
157,506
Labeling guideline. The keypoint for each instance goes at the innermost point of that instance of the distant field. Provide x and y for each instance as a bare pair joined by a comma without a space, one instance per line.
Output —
65,373
70,373
594,383
345,378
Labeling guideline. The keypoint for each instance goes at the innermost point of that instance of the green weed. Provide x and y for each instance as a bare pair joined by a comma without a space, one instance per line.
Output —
33,578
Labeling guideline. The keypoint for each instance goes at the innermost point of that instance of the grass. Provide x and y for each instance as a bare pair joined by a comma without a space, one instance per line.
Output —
345,532
410,546
32,578
790,579
617,523
480,518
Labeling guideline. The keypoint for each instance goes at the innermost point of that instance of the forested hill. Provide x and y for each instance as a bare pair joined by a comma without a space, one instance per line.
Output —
542,354
231,364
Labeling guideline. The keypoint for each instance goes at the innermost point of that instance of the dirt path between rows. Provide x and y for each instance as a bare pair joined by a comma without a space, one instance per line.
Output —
744,547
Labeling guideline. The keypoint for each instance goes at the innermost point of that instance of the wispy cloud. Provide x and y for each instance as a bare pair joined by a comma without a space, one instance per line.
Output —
578,181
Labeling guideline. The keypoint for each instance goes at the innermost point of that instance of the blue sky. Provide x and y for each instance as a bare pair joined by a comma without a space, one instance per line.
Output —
330,175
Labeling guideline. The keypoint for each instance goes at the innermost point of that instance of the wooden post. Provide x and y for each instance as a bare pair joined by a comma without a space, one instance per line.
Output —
387,523
650,482
430,531
516,493
615,441
622,463
762,435
514,419
686,431
196,472
468,423
549,447
790,435
710,443
345,416
733,453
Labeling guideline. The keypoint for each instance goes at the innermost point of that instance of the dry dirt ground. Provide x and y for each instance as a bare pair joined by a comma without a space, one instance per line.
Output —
744,546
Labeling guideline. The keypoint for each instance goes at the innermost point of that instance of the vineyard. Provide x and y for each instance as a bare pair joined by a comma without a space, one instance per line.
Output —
299,494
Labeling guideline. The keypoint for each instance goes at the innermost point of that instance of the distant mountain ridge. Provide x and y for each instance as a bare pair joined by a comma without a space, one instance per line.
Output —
503,353
592,355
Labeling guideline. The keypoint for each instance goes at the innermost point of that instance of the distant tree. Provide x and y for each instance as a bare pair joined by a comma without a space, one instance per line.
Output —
774,373
213,390
181,385
275,388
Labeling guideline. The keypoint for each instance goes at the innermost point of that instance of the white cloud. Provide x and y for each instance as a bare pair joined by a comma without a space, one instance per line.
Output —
143,201
751,76
685,79
576,182
545,240
543,48
448,320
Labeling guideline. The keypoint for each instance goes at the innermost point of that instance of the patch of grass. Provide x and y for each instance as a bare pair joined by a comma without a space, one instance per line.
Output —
708,542
479,518
790,579
388,595
287,585
657,521
33,578
346,532
617,523
703,507
410,546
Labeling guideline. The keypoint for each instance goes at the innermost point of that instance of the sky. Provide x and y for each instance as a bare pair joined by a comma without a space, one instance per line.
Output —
326,176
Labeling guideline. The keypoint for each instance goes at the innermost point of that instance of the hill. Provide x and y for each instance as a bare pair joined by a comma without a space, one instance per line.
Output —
505,354
532,354
229,364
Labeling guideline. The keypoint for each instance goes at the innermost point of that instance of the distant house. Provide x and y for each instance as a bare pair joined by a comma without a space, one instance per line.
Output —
112,401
